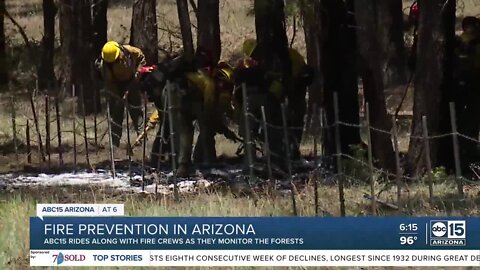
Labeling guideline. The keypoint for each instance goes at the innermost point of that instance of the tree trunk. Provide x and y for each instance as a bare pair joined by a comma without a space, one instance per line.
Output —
370,32
84,58
100,25
69,27
272,38
339,54
312,26
144,29
209,27
272,53
46,74
393,45
77,50
444,154
3,52
185,28
433,75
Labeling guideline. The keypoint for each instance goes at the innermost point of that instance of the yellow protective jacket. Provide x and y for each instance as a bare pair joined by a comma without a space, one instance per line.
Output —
224,86
297,67
154,118
473,52
298,63
203,87
124,68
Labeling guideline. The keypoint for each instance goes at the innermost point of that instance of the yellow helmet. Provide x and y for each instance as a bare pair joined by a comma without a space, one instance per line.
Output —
224,71
110,51
226,74
249,46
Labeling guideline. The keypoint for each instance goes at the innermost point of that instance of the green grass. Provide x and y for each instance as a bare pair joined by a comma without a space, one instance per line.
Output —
17,206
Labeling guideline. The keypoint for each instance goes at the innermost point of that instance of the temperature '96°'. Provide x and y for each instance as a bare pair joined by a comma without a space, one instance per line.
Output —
408,233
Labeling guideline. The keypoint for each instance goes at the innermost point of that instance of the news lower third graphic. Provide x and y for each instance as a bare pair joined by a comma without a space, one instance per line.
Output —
100,235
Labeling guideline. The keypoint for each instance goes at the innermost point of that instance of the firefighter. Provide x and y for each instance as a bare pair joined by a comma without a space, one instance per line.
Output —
224,86
198,104
302,76
217,117
153,80
247,71
194,99
202,93
250,73
467,94
119,65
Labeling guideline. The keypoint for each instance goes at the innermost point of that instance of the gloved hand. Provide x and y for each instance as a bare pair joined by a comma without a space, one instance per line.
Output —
153,119
150,125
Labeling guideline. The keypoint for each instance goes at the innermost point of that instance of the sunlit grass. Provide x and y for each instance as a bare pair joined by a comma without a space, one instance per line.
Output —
16,207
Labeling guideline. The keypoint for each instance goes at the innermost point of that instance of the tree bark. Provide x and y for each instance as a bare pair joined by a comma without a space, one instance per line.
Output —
272,53
339,53
395,65
444,154
100,25
185,29
77,50
85,57
3,51
433,75
272,38
370,35
312,26
209,27
46,74
144,29
68,29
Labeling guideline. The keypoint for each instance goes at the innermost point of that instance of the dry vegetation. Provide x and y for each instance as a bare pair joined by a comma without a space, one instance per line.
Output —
98,153
236,24
16,206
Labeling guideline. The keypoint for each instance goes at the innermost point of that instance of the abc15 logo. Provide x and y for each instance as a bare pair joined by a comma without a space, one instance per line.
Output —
451,229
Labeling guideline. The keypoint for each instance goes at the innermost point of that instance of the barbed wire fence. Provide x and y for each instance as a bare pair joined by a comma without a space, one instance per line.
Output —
50,127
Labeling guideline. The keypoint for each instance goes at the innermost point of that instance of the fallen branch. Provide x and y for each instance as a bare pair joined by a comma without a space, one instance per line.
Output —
380,202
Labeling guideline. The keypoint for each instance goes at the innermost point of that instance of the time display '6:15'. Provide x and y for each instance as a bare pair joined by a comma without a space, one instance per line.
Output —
409,227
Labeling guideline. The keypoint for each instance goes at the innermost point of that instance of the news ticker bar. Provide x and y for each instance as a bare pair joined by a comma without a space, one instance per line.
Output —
414,258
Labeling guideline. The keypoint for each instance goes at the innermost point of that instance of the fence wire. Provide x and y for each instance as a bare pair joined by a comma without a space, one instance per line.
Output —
318,129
